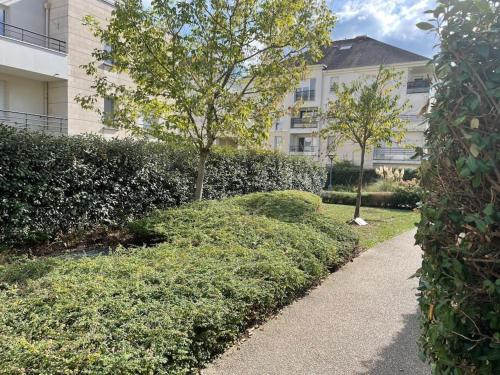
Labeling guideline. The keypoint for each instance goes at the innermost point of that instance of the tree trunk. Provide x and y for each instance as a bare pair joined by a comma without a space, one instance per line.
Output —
360,183
202,161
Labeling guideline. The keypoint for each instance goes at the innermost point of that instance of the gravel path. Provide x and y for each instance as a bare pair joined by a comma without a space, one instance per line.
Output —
361,320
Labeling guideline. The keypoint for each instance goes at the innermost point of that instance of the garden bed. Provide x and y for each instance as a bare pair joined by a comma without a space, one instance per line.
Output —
220,267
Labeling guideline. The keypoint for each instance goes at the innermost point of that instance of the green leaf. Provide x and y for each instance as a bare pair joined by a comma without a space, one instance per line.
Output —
425,26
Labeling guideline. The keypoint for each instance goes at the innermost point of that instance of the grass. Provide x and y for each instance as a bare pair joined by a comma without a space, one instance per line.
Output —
383,224
220,267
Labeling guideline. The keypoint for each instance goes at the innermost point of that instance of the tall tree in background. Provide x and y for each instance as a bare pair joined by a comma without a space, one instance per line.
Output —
205,69
367,113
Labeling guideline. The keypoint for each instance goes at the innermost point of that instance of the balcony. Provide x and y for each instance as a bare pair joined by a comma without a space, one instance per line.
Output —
31,37
33,122
395,155
304,122
27,53
303,148
305,95
418,86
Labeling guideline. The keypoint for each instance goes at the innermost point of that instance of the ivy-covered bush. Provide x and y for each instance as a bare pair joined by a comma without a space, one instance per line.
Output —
170,309
459,231
54,185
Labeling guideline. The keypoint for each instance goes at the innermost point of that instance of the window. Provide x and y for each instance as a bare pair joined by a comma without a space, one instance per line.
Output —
3,19
2,95
278,141
109,109
345,46
306,90
107,48
334,81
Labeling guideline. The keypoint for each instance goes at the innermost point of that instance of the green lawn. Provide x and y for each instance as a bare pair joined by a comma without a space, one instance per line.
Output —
383,224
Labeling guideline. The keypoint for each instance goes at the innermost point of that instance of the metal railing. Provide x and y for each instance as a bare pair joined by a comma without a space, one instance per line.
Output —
18,33
304,122
305,95
302,148
395,154
418,86
34,122
413,118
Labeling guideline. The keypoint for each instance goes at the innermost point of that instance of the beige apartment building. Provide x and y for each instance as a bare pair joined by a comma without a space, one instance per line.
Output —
42,47
296,133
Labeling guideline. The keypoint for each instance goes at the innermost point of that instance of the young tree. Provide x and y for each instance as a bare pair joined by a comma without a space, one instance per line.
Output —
367,114
205,69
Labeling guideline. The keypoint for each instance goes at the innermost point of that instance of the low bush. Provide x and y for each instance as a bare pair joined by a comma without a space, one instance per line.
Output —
168,309
401,198
54,185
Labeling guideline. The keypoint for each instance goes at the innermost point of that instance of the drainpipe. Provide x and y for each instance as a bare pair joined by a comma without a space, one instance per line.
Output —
47,23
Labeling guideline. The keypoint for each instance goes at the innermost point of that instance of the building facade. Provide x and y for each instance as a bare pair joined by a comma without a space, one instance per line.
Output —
43,44
297,133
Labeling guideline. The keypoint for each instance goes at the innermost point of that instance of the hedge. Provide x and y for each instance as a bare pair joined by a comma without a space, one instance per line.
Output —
346,174
459,231
171,308
401,198
54,185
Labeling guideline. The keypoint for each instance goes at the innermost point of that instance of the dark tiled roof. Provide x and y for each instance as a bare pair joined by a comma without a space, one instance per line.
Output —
364,51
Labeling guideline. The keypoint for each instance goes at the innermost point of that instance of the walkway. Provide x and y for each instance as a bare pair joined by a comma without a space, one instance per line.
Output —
361,320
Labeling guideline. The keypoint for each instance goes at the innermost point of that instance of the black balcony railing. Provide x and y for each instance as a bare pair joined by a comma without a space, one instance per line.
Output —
33,122
27,36
388,154
413,118
418,86
304,122
303,148
305,95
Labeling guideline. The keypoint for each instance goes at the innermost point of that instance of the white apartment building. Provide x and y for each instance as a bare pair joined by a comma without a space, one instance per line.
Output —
43,44
344,61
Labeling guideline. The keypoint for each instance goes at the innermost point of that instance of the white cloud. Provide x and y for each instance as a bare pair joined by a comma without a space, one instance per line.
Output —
392,17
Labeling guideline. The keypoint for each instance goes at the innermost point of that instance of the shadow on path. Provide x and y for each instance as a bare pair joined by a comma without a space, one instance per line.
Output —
401,356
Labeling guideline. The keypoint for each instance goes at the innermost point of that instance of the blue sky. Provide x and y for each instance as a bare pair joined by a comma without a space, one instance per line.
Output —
390,21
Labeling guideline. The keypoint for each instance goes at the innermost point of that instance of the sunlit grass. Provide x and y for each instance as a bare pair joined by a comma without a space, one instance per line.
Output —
383,224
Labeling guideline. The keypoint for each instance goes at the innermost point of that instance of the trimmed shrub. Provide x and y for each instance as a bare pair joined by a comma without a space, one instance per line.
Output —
345,175
459,231
401,198
168,309
54,185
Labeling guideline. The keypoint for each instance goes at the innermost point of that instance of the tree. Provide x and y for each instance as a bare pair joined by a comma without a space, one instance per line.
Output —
367,114
206,69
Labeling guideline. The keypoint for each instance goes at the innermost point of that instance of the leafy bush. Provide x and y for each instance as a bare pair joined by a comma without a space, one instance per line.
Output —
54,185
168,309
459,231
401,198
